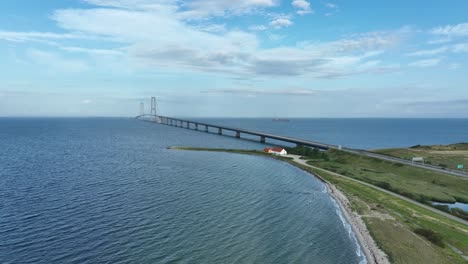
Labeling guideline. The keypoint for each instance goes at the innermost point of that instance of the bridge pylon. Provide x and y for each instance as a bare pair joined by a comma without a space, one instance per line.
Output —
153,106
142,108
154,113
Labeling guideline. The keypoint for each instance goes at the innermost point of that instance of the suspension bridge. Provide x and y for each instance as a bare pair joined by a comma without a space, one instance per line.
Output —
155,117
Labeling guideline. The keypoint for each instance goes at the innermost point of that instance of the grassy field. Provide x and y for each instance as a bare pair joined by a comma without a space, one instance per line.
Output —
415,183
392,222
448,156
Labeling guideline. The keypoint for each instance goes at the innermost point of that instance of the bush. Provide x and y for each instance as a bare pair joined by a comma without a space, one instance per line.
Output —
384,185
311,153
407,194
430,235
444,208
459,213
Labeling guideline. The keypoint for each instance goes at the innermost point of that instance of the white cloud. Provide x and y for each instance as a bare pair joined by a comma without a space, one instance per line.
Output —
425,63
189,10
439,40
104,52
462,47
258,28
455,66
457,48
459,30
292,91
56,62
174,44
430,52
303,6
275,37
331,5
281,22
37,36
206,8
86,101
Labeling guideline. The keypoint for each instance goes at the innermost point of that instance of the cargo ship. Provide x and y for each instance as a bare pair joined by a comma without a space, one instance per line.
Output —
280,120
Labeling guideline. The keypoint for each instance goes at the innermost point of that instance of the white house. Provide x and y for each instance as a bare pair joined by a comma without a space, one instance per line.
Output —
276,151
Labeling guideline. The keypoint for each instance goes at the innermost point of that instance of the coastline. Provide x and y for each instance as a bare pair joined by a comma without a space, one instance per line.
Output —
367,244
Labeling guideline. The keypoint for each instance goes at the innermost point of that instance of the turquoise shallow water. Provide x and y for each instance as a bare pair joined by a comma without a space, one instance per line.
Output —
108,191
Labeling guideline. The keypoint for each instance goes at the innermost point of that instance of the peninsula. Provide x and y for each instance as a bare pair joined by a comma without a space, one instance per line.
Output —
387,204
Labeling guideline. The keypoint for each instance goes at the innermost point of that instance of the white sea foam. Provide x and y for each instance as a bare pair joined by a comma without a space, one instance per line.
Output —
350,231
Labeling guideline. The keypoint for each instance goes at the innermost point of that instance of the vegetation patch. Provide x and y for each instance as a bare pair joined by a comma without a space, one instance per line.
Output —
431,236
445,156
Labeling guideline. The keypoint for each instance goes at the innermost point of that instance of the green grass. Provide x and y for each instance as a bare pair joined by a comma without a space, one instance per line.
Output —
416,183
448,156
395,235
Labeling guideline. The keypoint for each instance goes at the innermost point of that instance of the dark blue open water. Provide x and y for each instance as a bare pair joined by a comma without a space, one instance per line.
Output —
363,133
108,191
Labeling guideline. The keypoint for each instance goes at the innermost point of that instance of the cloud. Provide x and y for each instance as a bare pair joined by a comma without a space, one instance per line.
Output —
303,7
331,5
430,52
293,92
459,48
440,40
86,101
455,66
103,52
459,30
206,8
425,63
258,28
38,36
174,44
55,61
281,22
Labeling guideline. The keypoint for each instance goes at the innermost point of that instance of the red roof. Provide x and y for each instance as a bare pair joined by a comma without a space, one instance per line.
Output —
266,149
277,149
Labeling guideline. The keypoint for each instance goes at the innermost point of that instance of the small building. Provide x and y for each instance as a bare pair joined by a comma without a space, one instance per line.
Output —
418,159
276,151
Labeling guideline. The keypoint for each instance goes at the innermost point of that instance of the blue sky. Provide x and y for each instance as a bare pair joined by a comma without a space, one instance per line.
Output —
245,58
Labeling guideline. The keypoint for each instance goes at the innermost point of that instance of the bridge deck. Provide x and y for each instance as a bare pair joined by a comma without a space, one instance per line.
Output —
309,143
260,134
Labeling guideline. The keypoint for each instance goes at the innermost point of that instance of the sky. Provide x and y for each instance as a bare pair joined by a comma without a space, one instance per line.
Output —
243,58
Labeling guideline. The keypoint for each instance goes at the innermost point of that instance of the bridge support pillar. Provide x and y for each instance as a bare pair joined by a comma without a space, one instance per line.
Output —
237,134
196,126
220,131
187,125
262,139
206,129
